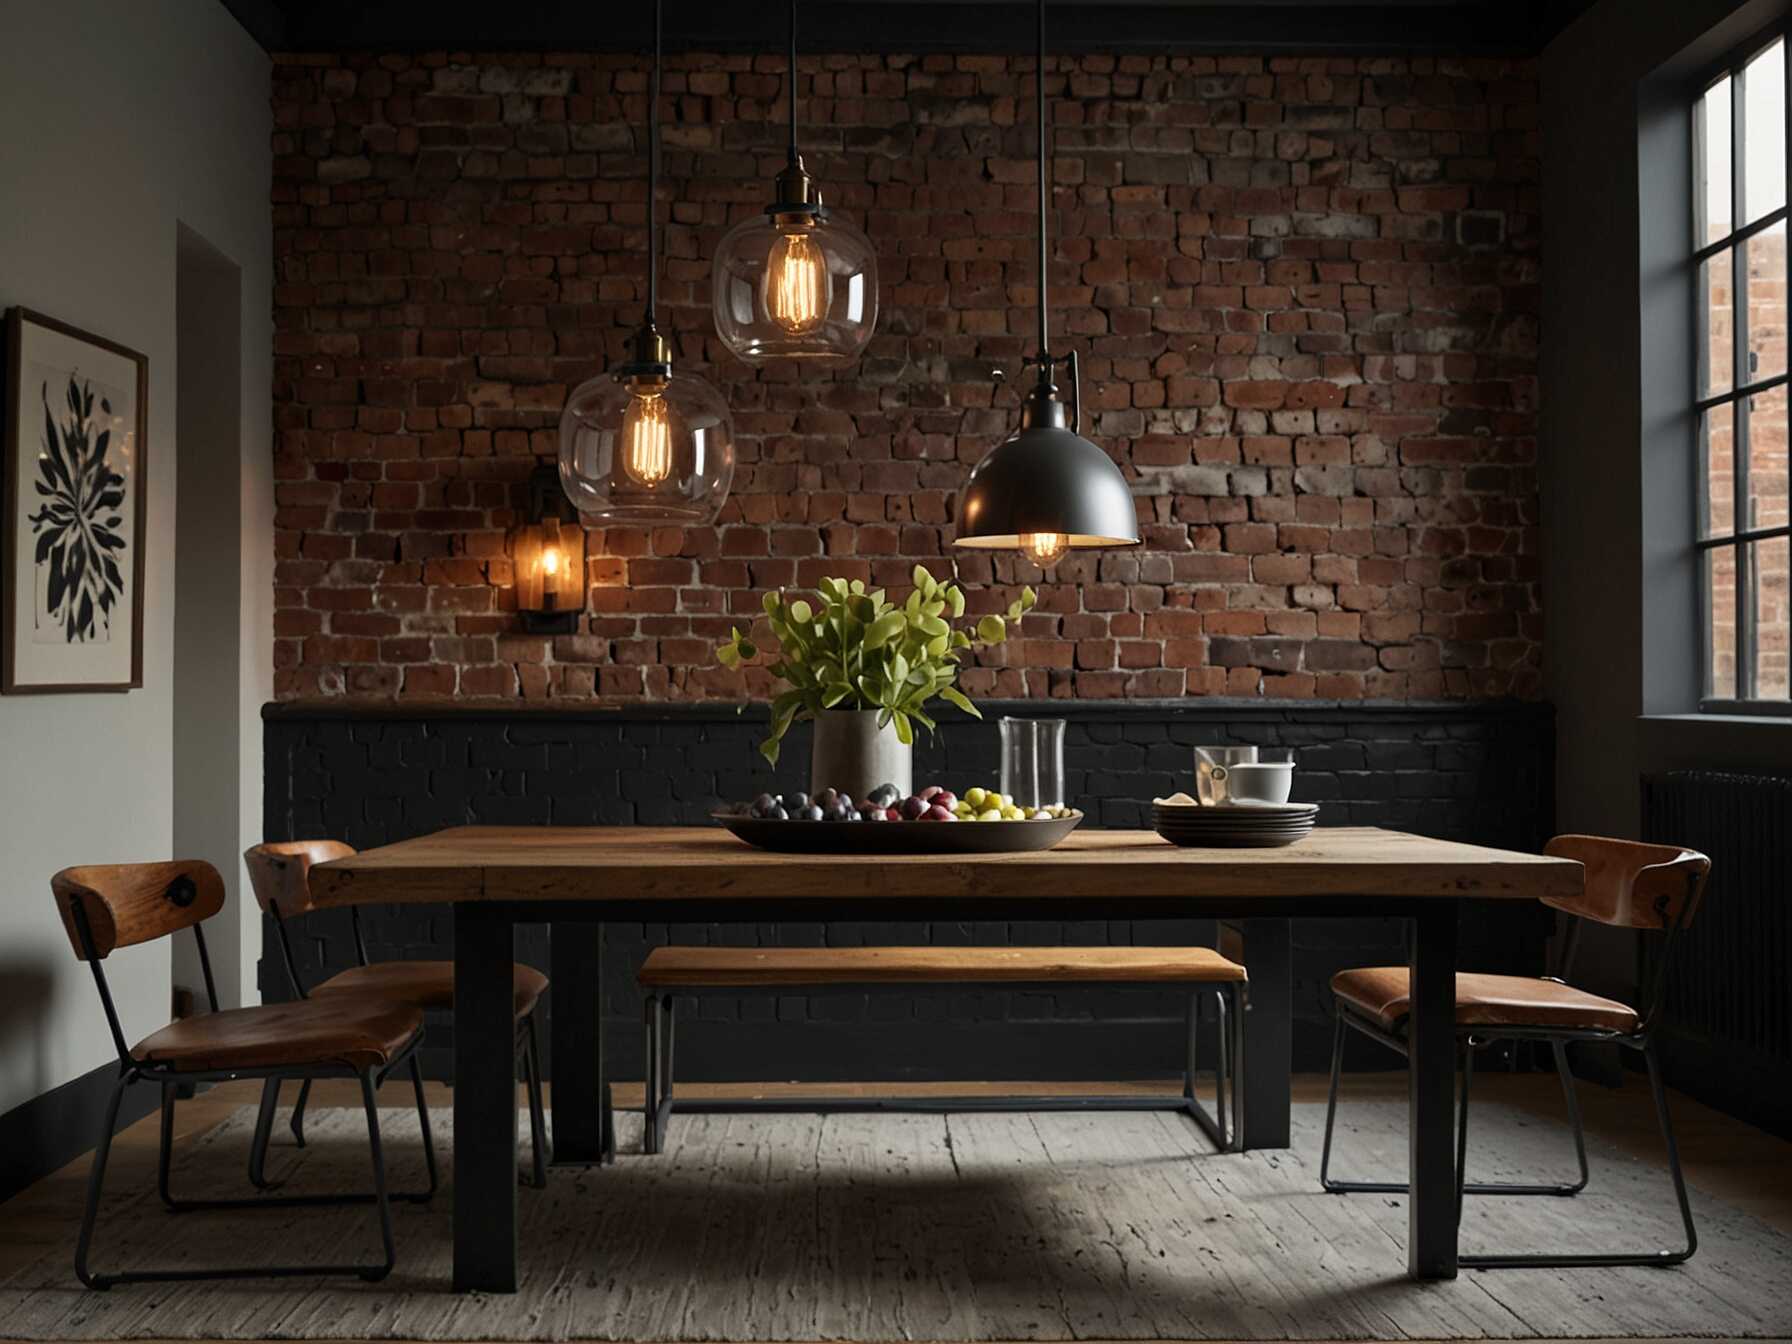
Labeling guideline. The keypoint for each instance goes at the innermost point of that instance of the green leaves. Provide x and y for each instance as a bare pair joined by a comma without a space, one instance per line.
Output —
848,647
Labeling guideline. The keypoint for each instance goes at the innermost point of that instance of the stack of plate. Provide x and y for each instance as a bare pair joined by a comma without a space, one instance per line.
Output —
1235,825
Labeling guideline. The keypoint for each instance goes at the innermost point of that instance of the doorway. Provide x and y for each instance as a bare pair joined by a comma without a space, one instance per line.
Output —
208,600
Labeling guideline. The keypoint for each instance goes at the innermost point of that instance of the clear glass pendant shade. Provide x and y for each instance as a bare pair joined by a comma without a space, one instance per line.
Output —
653,449
795,286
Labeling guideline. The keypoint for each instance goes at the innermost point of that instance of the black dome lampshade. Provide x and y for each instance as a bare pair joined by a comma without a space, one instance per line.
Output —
1046,489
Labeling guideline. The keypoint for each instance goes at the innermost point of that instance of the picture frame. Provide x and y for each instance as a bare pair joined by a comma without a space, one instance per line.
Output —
74,448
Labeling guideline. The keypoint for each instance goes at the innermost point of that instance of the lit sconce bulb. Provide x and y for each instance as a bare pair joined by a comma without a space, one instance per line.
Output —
647,437
550,562
797,284
1044,549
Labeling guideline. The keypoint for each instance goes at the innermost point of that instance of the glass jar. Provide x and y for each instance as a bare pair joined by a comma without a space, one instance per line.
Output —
1033,761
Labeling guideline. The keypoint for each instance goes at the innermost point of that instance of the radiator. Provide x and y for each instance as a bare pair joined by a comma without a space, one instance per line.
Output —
1729,1001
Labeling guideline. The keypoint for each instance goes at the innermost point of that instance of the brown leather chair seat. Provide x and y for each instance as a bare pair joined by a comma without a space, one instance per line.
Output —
425,984
355,1033
1381,992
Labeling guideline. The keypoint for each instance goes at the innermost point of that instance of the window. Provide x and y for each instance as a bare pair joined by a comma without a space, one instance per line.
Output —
1743,526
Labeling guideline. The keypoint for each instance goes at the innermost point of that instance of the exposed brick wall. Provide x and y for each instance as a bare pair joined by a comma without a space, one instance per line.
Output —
1306,292
1474,772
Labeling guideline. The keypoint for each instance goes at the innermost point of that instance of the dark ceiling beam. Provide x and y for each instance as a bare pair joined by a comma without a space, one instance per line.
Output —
921,26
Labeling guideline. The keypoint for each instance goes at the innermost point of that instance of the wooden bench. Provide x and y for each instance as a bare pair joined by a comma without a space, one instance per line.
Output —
685,972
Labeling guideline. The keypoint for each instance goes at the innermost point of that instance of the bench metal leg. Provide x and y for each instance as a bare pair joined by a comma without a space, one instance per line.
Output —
656,1108
650,1099
1221,1125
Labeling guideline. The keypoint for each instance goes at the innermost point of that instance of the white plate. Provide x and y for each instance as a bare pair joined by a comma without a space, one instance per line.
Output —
1221,809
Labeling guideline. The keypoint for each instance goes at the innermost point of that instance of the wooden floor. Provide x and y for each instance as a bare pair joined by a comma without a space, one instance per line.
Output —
1741,1166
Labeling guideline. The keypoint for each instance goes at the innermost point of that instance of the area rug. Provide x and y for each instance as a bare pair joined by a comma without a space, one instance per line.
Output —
1049,1226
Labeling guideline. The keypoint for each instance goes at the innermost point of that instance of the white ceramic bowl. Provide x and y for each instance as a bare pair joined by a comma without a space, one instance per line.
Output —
1259,781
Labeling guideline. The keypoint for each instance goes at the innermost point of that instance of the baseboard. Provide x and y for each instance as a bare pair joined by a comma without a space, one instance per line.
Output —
52,1130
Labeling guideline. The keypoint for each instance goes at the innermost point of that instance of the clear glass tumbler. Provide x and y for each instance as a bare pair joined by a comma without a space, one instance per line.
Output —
1033,761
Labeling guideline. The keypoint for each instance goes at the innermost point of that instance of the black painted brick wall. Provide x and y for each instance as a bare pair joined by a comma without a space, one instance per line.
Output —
1476,772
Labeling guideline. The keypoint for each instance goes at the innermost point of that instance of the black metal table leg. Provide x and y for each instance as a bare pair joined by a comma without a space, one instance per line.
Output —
485,1109
1268,1028
1431,1046
583,1131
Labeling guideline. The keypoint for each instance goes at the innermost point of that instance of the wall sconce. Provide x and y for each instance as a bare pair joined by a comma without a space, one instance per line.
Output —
549,555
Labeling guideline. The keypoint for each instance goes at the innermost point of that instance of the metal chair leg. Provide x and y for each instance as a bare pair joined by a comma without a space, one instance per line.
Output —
264,1128
1572,1100
298,1113
380,1197
1331,1109
165,1155
1337,1187
429,1142
382,1205
1661,1259
96,1177
538,1136
1667,1134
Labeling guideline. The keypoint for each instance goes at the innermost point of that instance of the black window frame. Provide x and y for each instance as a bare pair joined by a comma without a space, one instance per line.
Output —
1739,396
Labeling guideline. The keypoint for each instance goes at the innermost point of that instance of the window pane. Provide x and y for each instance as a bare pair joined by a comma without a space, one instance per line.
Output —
1767,579
1719,485
1766,460
1720,623
1764,132
1716,285
1714,147
1766,259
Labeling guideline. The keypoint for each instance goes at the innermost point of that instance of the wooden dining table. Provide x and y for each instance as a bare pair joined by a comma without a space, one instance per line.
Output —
578,879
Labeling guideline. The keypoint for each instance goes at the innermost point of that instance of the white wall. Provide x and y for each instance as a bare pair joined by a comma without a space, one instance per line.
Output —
122,120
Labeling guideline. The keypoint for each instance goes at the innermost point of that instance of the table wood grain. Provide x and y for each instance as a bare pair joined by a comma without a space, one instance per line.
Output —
577,863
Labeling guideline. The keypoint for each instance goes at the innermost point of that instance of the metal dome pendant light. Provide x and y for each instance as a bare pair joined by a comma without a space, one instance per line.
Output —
1045,489
798,281
640,443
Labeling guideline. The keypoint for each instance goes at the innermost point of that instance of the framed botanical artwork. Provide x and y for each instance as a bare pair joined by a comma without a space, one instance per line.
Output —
72,454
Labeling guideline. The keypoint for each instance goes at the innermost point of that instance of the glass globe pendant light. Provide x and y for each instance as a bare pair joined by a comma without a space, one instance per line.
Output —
641,443
797,282
1046,490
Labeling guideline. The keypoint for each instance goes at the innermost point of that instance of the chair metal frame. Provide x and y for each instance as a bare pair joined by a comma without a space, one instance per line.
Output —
1478,1036
1231,998
528,1049
132,1071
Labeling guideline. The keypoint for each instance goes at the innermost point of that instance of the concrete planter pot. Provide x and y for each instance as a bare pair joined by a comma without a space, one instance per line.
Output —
852,753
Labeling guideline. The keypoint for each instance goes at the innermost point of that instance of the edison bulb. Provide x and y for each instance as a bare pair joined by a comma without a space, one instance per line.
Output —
1044,549
797,284
550,561
647,437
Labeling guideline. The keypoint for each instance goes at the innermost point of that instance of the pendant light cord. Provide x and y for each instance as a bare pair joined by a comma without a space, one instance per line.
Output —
653,171
792,146
1045,369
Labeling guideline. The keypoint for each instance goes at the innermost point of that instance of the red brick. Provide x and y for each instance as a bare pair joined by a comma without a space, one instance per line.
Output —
1310,484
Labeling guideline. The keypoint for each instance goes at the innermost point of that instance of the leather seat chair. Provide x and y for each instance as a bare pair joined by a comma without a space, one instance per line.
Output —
280,874
108,907
1652,888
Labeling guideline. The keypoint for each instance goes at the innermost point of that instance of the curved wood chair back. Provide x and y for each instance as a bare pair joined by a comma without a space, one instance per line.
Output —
280,873
1631,884
130,903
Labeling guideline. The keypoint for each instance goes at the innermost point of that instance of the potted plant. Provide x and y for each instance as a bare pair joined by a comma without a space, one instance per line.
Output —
864,668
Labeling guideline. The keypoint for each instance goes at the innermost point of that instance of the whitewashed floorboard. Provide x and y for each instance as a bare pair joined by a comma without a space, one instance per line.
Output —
973,1227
